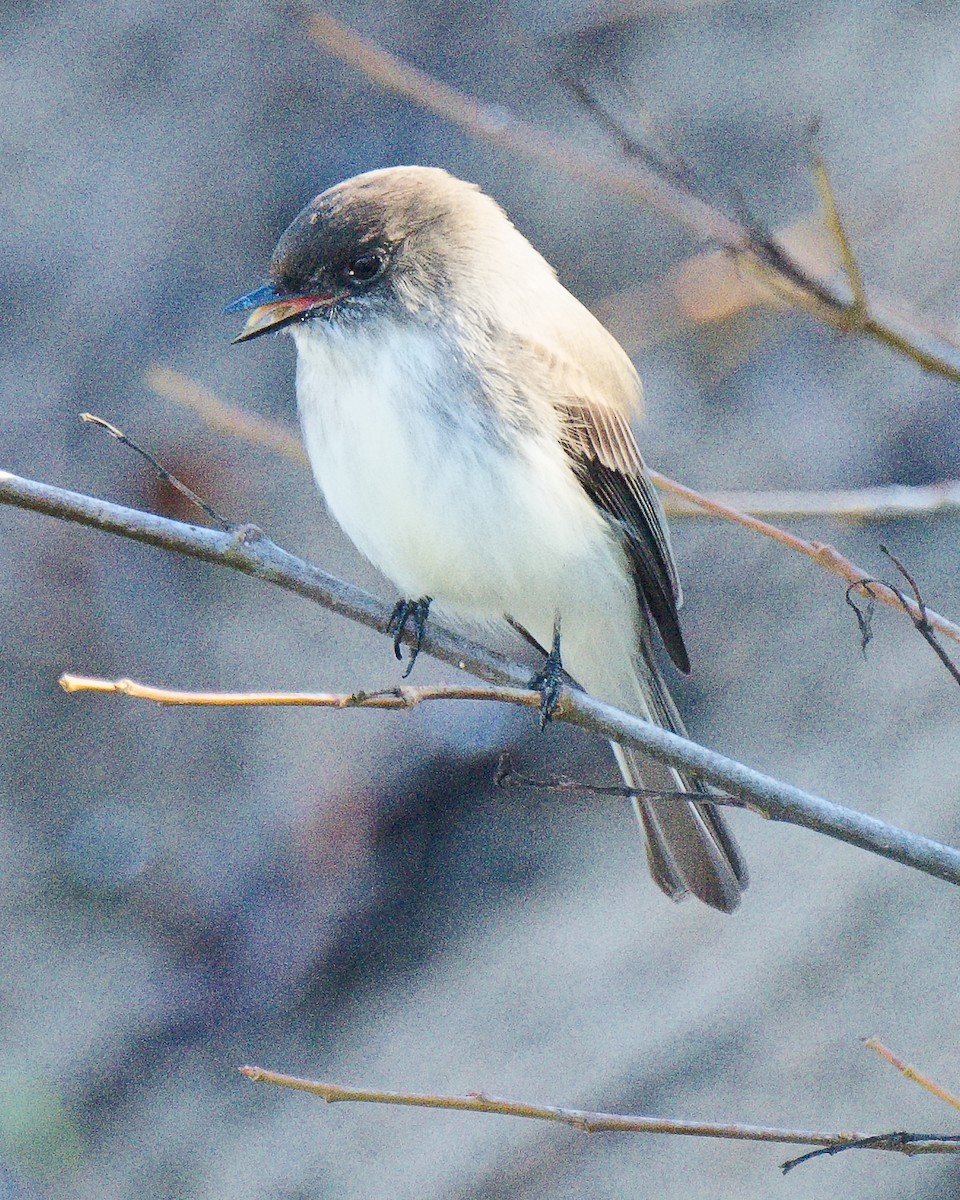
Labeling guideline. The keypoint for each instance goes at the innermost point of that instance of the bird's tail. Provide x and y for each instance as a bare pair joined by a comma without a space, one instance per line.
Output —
689,847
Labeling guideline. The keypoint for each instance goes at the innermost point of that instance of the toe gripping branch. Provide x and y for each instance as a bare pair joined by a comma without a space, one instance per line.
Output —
405,611
550,679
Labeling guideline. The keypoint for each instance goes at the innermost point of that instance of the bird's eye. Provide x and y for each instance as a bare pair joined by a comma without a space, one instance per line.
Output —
366,267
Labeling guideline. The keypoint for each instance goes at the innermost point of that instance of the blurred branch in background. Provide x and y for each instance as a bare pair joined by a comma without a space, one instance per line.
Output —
222,417
600,1122
226,418
248,550
839,302
884,503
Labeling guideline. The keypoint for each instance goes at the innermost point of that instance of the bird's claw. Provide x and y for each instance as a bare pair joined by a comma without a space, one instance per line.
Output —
549,681
405,611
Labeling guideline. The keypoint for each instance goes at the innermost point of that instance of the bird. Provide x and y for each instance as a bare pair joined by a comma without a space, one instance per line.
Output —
469,423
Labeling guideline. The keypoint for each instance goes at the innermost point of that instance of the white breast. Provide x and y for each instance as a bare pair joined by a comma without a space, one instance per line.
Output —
429,486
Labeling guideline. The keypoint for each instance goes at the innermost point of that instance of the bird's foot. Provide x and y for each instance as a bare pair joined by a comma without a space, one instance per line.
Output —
405,611
550,679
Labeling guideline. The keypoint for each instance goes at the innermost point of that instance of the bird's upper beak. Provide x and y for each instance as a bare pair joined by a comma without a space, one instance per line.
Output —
272,310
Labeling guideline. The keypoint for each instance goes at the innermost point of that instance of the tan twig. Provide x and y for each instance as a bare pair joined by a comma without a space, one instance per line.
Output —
590,1122
401,698
822,553
912,1073
830,301
405,697
859,309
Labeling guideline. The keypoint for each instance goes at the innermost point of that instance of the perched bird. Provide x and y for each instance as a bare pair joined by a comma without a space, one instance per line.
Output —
468,422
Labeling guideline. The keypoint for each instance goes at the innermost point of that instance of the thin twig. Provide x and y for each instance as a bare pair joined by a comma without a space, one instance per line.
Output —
912,1073
249,551
859,308
164,475
507,776
829,300
864,615
588,1122
822,553
402,698
922,618
906,1143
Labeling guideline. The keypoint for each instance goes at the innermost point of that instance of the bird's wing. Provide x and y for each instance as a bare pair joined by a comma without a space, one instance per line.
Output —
605,456
593,405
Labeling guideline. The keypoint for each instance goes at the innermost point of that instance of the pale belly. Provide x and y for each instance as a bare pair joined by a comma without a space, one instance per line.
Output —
445,506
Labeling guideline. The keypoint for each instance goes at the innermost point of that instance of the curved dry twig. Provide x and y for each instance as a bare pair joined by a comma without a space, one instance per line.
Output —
250,551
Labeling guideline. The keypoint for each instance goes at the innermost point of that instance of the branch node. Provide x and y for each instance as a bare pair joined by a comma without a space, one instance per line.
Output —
245,535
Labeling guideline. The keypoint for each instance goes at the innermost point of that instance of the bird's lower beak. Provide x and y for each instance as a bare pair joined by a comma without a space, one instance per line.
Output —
272,310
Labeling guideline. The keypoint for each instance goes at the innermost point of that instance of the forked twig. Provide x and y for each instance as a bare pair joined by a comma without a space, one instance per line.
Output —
901,1140
915,609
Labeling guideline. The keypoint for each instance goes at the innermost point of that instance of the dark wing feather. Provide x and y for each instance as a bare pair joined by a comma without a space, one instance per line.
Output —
594,389
604,453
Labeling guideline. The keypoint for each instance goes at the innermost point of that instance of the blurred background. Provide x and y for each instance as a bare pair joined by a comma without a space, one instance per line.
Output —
345,895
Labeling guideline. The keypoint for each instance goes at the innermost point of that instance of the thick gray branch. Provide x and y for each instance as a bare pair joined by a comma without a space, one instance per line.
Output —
250,551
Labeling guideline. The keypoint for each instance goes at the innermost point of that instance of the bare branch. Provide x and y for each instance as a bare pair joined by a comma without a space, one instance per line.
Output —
912,1073
247,549
831,301
403,698
821,552
597,1122
250,551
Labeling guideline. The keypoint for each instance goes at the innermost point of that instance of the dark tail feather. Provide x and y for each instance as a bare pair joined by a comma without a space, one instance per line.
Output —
689,847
